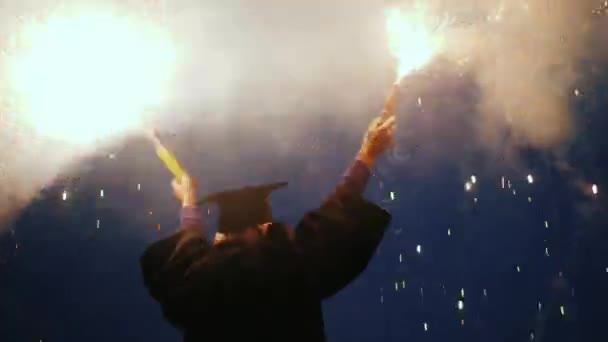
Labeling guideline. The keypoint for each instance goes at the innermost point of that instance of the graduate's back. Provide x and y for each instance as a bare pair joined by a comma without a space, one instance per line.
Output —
254,291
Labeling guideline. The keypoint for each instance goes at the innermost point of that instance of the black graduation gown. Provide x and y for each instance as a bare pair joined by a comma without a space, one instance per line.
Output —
271,290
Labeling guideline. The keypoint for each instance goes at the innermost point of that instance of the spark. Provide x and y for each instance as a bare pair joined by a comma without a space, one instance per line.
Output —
547,251
400,258
595,189
532,336
101,193
396,286
89,75
419,102
577,92
547,224
419,249
503,182
98,223
65,195
462,293
411,40
518,269
475,200
529,199
530,179
392,196
138,187
403,283
473,179
460,305
426,326
540,306
509,182
468,186
462,322
449,232
485,292
562,309
514,192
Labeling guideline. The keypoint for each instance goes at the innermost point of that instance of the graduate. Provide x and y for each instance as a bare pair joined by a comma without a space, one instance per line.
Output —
260,280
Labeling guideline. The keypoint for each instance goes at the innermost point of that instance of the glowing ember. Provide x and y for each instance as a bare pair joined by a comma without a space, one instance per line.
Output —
90,75
412,42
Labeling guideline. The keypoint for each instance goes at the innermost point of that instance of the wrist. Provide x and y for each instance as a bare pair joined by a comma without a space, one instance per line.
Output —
189,200
366,158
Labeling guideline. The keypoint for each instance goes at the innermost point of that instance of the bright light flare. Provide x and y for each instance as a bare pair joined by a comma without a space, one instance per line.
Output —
90,75
595,189
411,40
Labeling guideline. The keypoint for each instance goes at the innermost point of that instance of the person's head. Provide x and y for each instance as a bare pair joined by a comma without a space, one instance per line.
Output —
244,213
254,233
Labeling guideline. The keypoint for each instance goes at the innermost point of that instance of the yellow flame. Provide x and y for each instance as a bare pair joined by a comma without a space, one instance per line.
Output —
411,40
89,76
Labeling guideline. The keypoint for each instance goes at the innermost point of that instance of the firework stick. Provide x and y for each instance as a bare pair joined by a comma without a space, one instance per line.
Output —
167,157
391,102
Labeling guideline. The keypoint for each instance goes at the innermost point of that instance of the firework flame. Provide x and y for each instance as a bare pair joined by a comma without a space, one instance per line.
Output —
88,76
412,41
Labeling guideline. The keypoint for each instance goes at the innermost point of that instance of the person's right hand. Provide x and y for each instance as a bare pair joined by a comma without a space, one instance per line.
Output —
378,138
185,190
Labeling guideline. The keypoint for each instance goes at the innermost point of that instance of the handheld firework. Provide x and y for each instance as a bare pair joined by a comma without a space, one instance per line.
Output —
391,102
166,156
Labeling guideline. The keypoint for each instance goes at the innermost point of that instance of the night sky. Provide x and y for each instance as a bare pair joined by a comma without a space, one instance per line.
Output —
503,242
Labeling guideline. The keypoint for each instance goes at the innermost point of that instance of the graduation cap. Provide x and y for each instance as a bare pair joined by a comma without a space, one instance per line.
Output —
244,207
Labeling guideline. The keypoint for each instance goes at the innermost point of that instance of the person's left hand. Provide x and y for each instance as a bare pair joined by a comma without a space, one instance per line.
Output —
185,190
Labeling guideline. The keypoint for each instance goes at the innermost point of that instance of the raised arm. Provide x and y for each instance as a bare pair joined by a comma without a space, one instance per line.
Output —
166,262
338,240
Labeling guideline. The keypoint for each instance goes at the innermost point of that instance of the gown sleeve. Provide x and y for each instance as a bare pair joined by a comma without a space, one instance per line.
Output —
337,240
165,263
